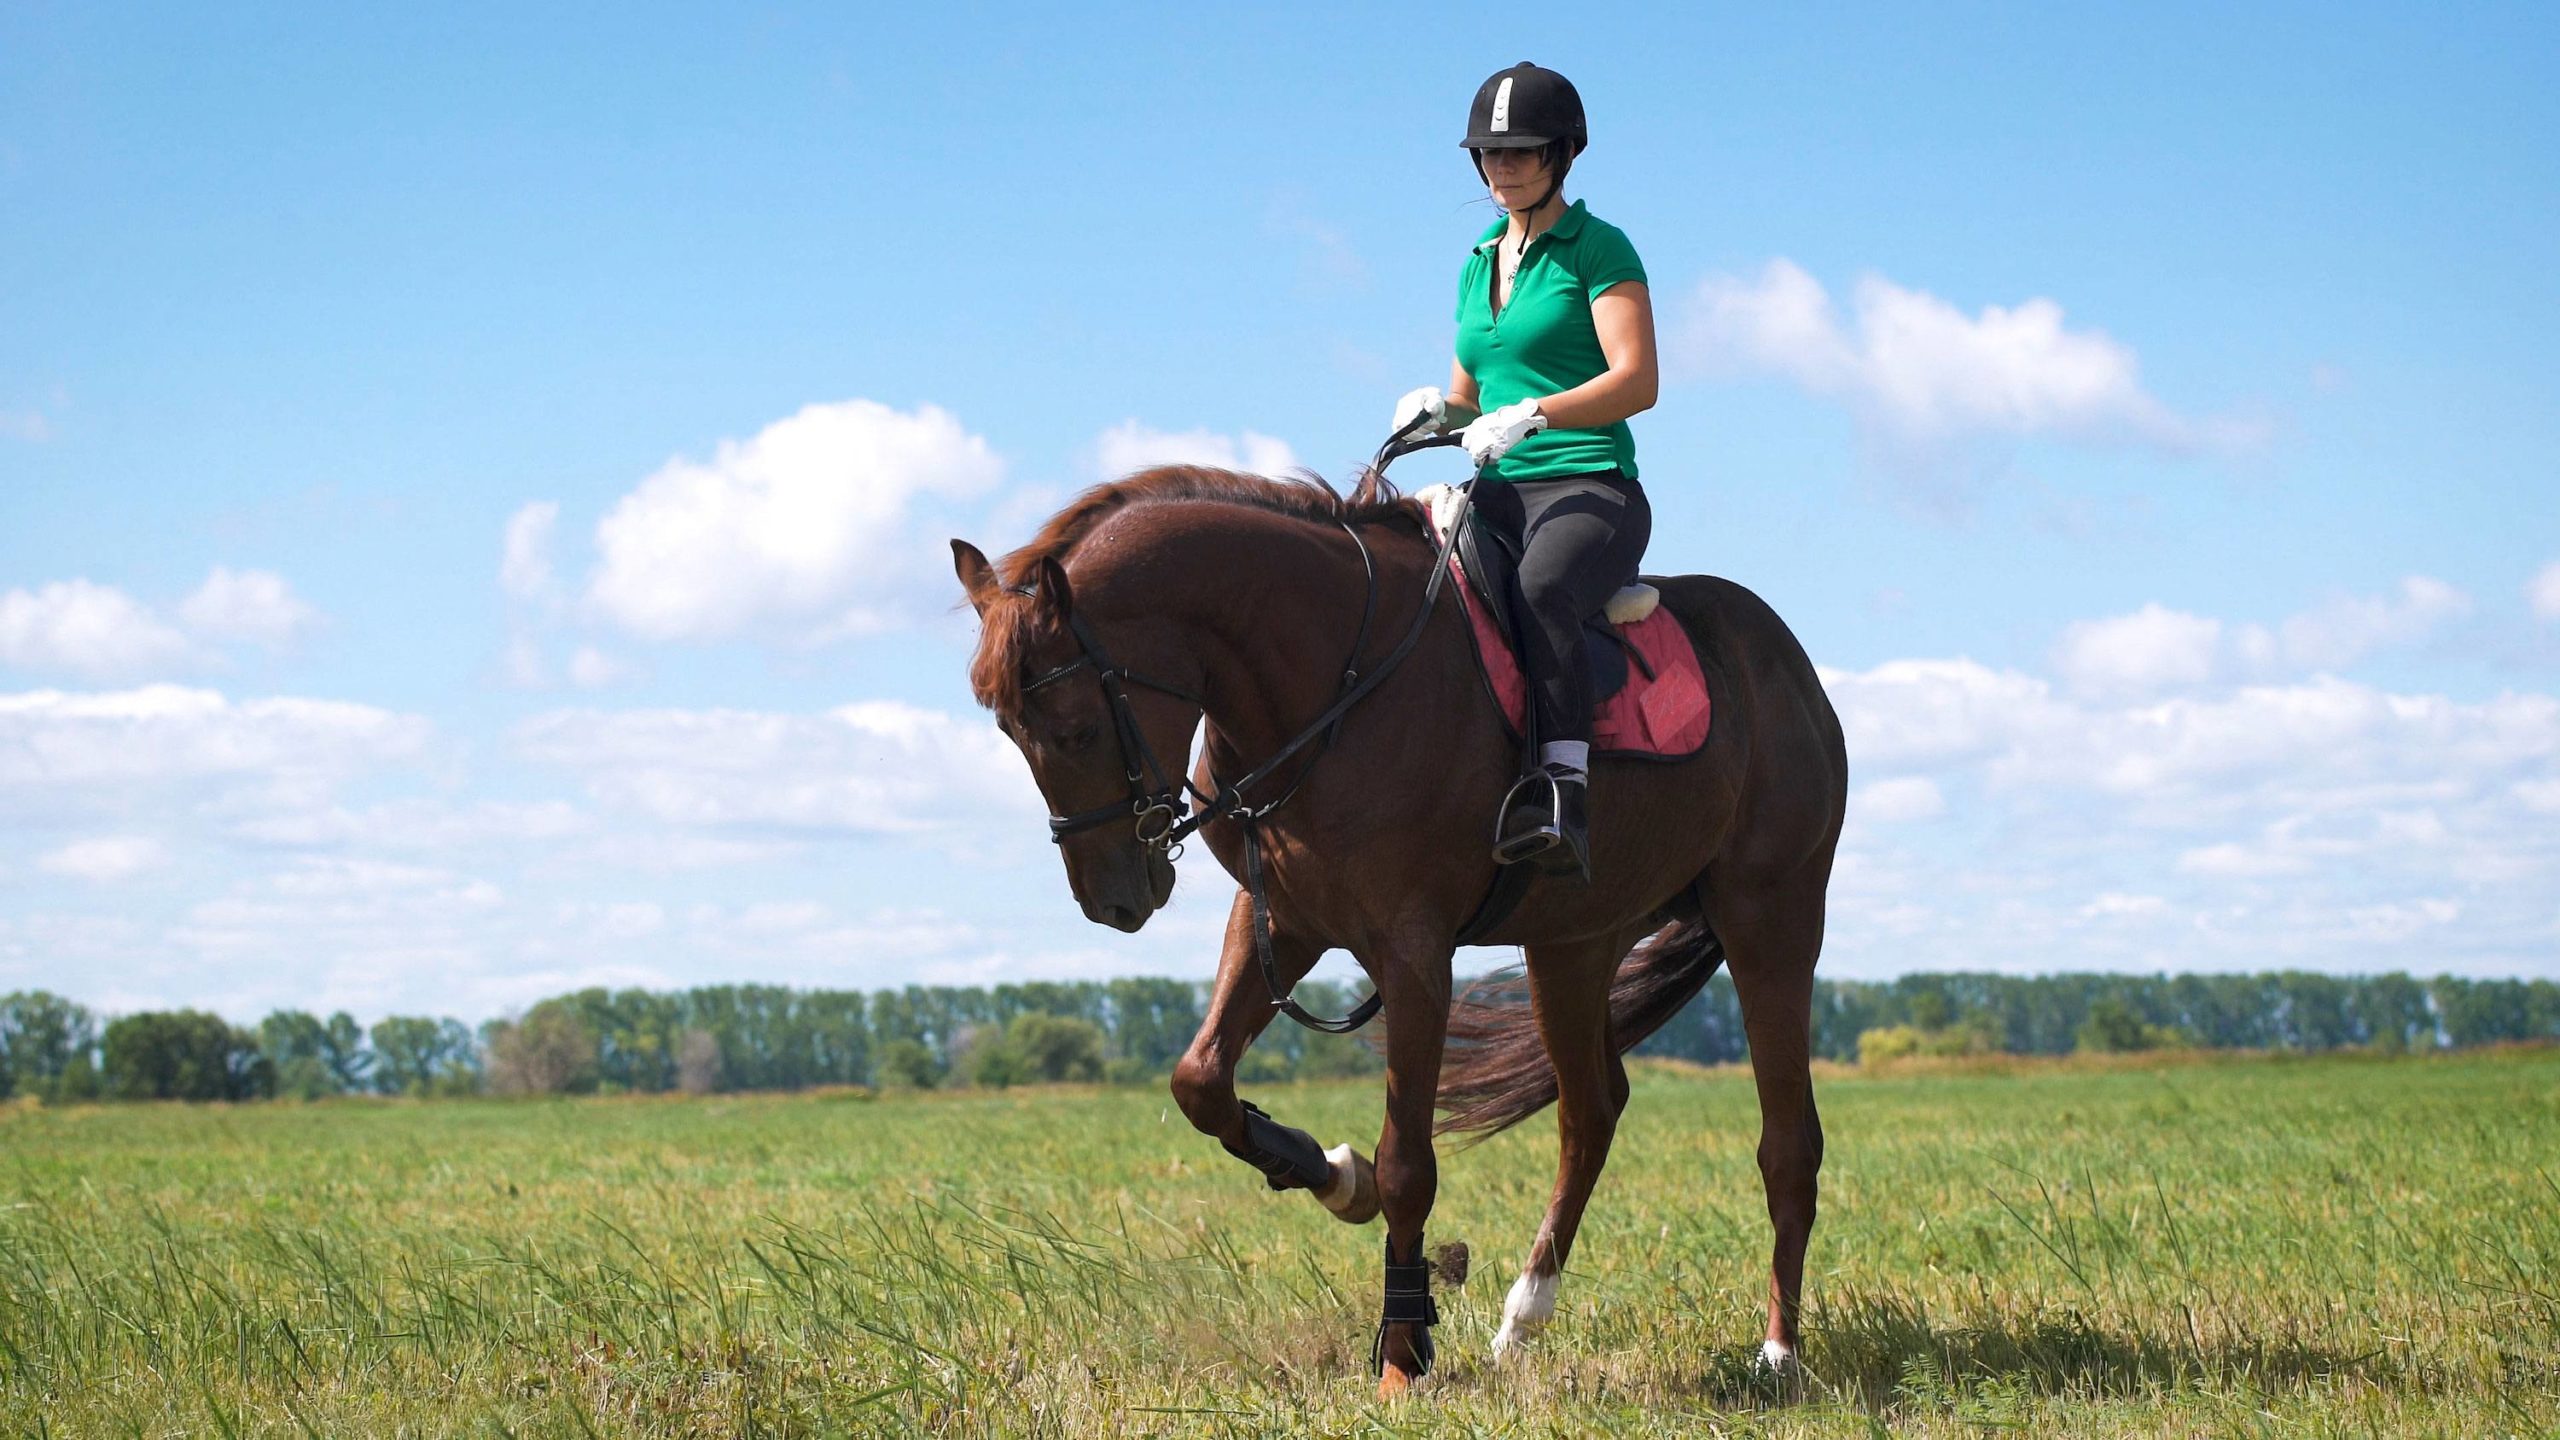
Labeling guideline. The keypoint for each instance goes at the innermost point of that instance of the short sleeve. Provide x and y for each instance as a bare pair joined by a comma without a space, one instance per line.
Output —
1608,258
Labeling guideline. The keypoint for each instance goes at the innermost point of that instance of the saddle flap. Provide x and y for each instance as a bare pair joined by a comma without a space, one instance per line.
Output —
1491,568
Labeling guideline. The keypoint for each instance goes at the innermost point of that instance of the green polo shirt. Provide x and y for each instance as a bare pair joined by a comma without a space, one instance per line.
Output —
1543,342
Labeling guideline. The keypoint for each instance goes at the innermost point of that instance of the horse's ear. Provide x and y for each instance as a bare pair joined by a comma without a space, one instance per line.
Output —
1053,594
976,575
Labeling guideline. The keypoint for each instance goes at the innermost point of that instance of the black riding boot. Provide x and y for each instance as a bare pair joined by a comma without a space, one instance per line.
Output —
1548,821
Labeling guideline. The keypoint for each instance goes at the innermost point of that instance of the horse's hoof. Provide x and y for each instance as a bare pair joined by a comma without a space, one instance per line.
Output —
1353,1195
1525,1312
1777,1366
1394,1383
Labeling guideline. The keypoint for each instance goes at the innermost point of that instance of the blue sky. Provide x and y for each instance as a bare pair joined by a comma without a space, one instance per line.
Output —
472,484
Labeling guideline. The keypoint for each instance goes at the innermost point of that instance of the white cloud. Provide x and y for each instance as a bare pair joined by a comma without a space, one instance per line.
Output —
2542,592
252,605
1916,368
1907,797
2116,905
418,825
615,920
1130,446
2232,827
2400,922
1913,714
592,669
159,734
28,425
2152,649
2236,861
2157,650
2350,627
105,858
93,630
522,664
806,522
878,767
524,564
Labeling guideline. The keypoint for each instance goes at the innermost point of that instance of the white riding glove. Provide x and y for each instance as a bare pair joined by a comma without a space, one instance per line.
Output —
1426,404
1496,431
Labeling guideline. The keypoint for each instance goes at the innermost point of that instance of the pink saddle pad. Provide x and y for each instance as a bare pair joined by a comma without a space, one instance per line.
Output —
1664,716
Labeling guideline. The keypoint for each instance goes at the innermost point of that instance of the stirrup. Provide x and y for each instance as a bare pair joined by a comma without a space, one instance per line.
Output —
1528,845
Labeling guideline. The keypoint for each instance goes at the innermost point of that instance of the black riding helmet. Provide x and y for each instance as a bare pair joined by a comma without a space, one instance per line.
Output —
1526,108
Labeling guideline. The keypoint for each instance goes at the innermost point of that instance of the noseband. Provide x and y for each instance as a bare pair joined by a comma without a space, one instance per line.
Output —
1164,819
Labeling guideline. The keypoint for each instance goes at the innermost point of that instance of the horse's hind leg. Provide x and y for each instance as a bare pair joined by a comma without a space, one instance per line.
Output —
1569,993
1772,938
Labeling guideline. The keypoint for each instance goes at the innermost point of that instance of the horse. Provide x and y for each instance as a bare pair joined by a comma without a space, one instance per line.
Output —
1199,597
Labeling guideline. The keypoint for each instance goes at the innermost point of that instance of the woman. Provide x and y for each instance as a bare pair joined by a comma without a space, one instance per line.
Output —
1555,351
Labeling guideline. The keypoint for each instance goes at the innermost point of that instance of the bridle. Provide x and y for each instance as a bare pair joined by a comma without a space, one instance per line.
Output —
1161,815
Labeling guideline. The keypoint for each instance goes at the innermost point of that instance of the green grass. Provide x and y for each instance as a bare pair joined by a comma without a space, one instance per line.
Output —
2286,1247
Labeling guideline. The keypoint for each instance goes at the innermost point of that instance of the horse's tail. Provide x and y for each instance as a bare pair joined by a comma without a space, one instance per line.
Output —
1497,1073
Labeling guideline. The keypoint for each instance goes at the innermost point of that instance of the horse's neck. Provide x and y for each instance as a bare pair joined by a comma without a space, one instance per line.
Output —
1278,611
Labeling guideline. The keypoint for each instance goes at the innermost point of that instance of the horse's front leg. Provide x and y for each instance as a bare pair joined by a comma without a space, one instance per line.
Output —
1204,1080
1415,982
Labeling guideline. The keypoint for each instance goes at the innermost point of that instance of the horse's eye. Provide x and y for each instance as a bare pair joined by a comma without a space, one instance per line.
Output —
1080,739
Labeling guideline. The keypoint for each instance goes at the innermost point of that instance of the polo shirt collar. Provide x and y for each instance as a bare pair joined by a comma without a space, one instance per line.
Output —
1568,225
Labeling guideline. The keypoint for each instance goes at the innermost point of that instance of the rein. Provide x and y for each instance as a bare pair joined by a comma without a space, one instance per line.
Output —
1164,819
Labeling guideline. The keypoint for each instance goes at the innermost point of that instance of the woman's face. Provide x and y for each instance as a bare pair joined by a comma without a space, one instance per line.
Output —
1518,178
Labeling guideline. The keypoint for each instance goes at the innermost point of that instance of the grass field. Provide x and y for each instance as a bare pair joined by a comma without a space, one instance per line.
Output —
2341,1246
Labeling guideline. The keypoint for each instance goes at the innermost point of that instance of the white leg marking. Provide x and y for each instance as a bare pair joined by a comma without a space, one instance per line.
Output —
1337,1196
1777,1356
1531,1305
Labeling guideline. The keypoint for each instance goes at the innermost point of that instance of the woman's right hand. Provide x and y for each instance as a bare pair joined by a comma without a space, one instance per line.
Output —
1426,405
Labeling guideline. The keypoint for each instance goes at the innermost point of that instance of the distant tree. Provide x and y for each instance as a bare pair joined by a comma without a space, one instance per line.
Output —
548,1052
48,1048
2391,1011
183,1055
417,1055
986,1060
1152,1021
343,1050
698,1062
2114,1026
1976,1034
1055,1048
296,1044
906,1064
1885,1044
1335,1057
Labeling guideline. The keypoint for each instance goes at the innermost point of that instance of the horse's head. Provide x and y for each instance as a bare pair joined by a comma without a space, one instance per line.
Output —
1055,699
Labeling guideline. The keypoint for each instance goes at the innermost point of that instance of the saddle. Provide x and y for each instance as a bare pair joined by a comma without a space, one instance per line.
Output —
1649,695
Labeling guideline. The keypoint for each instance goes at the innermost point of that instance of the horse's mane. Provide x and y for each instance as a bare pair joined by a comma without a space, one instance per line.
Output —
995,675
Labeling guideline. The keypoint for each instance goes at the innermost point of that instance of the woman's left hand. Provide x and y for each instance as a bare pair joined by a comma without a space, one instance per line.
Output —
1493,433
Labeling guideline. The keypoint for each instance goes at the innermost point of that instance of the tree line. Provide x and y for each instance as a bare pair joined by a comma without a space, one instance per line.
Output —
771,1037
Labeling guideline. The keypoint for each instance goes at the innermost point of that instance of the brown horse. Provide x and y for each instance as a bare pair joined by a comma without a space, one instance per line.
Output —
1182,595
